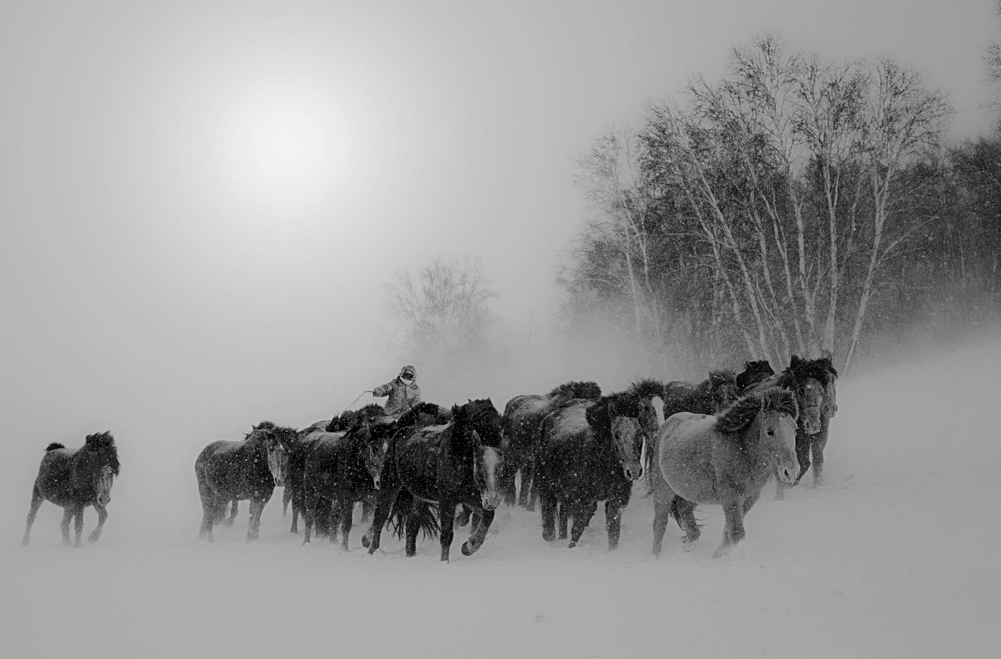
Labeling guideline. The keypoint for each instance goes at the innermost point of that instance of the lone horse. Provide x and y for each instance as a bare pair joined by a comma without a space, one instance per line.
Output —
452,464
520,424
590,452
724,460
74,479
246,469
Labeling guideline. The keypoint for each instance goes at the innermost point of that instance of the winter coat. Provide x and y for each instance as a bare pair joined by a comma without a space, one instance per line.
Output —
402,396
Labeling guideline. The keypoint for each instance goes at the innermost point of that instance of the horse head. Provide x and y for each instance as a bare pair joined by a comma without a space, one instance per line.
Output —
279,442
624,418
484,423
765,423
97,465
777,431
376,447
809,380
753,373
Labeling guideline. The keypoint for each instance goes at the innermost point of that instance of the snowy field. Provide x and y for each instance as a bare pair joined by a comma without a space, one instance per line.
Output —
898,555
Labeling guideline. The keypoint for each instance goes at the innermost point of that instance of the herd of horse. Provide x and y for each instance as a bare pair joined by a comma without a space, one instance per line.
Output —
716,442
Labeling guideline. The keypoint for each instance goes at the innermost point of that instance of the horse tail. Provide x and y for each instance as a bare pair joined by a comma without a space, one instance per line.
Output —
426,512
53,446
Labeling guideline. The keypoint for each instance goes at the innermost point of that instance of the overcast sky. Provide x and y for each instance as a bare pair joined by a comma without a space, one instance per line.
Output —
201,203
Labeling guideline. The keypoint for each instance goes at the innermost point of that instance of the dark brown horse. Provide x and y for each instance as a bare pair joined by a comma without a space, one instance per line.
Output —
344,468
293,492
813,383
452,464
753,373
246,469
520,424
724,460
590,452
713,394
74,479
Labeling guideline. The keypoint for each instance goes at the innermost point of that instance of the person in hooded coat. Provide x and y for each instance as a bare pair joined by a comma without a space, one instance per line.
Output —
402,391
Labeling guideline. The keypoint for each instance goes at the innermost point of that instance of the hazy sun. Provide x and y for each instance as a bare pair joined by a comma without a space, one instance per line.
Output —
284,145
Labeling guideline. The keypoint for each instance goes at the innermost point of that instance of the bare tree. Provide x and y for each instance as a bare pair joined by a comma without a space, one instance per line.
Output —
444,307
781,182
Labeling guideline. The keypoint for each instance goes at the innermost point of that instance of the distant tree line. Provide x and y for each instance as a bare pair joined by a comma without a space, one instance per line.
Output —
795,206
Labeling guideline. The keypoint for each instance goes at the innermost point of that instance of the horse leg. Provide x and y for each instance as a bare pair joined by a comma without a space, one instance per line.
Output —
661,515
613,522
412,527
446,519
102,514
65,524
548,505
78,525
582,514
733,527
525,490
256,508
347,514
209,504
372,537
484,519
817,444
563,515
464,513
533,489
296,510
308,513
684,512
36,502
234,508
367,507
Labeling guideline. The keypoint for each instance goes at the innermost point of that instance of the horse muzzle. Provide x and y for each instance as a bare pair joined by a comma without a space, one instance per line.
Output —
787,472
491,501
810,420
632,470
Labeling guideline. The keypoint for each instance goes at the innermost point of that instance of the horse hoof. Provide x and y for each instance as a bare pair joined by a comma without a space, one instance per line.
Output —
573,543
365,542
548,536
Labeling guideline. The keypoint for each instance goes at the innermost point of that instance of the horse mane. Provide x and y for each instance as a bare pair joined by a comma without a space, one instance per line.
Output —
754,372
438,414
799,369
719,378
740,415
349,419
475,411
625,403
261,427
589,390
54,446
103,444
284,434
648,388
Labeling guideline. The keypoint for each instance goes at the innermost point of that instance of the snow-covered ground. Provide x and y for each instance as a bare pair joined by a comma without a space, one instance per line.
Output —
899,555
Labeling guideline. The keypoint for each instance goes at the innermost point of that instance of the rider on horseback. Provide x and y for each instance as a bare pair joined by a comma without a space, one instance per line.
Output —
403,392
